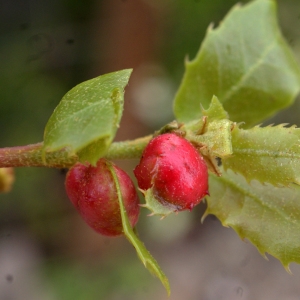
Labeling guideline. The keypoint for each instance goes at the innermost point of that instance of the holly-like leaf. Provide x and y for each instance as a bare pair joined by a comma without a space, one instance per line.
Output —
86,119
246,63
268,154
147,259
267,216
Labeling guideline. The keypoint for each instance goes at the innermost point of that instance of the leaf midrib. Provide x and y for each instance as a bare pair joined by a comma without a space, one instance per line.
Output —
253,196
266,153
73,114
240,83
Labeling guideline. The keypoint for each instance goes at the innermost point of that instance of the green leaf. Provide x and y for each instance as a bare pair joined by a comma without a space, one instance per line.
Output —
269,154
155,206
217,138
246,63
86,119
215,111
267,216
147,259
217,131
212,131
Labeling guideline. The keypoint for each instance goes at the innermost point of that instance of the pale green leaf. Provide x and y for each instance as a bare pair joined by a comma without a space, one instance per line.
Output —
269,154
86,119
246,63
215,111
147,259
212,131
217,138
217,130
267,216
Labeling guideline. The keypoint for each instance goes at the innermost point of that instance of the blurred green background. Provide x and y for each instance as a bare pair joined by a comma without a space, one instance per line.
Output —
46,250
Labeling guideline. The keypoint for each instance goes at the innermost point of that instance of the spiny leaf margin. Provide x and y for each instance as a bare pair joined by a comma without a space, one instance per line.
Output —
246,63
268,216
268,154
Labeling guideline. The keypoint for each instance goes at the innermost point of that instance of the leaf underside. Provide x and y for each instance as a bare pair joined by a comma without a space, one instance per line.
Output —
268,216
86,119
246,63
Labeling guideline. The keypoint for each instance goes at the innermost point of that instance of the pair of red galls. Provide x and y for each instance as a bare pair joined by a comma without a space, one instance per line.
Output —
171,172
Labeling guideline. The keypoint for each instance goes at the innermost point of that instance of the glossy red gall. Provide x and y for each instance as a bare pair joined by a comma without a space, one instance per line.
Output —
172,174
92,191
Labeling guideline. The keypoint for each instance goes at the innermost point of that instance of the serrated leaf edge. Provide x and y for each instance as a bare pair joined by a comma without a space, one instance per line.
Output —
239,232
260,126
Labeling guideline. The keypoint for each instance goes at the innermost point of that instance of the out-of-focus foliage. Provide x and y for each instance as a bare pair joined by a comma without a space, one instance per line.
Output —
186,25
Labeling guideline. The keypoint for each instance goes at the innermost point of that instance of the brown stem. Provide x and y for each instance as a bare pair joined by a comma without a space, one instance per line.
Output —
32,156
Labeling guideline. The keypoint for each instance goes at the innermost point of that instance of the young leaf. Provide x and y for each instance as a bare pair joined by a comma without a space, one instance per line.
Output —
269,154
267,216
217,138
86,119
215,111
147,259
212,131
246,63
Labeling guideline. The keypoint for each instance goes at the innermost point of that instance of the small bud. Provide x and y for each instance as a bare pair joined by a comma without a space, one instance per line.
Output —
7,178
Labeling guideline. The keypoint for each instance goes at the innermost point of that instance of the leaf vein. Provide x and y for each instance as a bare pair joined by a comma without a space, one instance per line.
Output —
255,197
235,88
263,152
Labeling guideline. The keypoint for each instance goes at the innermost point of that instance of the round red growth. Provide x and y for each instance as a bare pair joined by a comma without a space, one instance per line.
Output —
175,170
92,191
